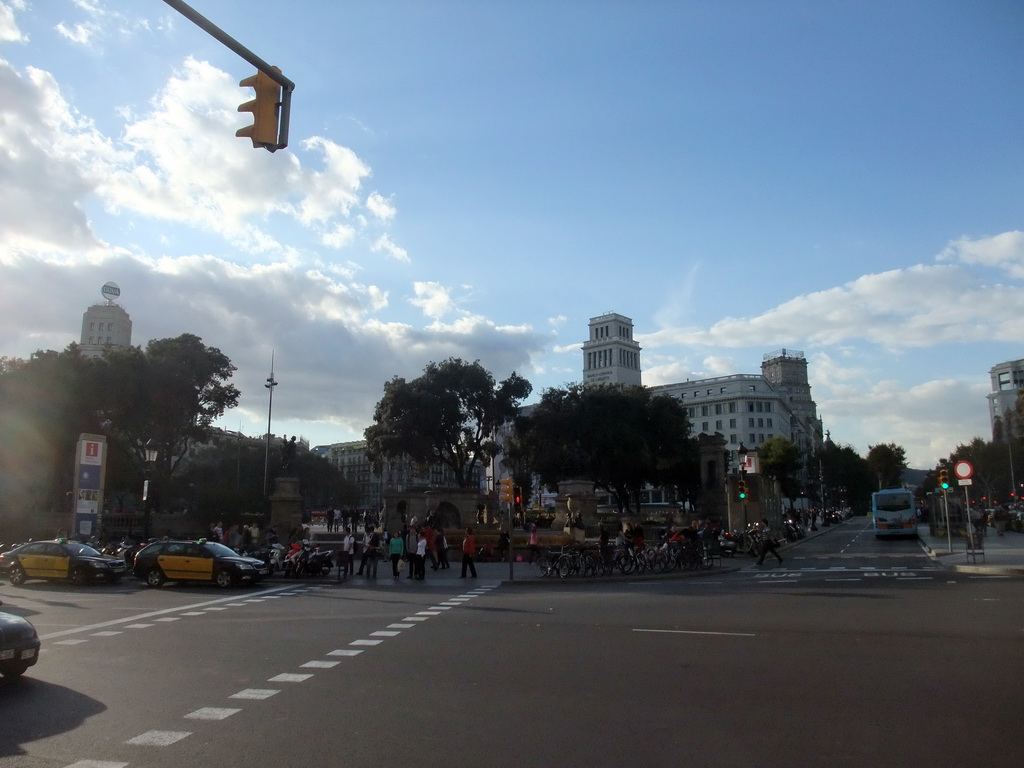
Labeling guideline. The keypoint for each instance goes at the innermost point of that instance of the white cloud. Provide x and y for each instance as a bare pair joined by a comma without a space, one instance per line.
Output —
1004,251
380,206
384,244
9,31
433,299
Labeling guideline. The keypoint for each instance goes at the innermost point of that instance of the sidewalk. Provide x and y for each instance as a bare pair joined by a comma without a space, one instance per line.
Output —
998,555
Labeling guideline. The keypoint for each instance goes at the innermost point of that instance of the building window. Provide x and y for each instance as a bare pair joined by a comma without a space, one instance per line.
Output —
767,407
732,424
732,439
703,410
760,423
718,424
732,406
770,426
753,439
750,407
750,422
704,426
718,409
752,388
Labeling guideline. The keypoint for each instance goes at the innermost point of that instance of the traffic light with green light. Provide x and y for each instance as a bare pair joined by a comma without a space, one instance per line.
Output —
944,479
741,490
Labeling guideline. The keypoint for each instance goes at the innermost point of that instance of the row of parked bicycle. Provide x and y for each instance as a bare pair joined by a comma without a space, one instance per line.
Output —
565,562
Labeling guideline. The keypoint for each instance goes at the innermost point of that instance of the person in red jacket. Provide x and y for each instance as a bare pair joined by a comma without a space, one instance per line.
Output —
468,548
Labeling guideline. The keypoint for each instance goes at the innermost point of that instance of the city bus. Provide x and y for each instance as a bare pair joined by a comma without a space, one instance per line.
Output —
893,513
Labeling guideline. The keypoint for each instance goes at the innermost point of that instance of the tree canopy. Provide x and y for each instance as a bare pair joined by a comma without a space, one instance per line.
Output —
619,438
888,461
780,458
449,415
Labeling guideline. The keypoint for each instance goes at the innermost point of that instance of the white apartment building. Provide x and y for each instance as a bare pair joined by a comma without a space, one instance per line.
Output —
746,409
1007,378
105,325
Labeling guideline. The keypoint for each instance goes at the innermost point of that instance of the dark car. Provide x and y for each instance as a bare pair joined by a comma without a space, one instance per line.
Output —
19,644
196,561
59,559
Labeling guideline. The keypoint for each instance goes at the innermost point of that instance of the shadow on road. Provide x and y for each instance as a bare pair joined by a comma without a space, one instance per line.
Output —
51,710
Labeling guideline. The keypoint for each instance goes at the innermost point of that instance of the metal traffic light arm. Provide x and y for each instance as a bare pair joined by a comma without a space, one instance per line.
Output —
287,86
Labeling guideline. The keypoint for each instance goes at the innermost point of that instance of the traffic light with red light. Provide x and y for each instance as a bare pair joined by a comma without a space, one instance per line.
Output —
264,108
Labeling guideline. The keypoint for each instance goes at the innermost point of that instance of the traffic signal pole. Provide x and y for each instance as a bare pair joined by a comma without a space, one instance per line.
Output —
287,86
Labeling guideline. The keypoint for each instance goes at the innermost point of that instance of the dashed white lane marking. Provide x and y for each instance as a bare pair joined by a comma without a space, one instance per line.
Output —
366,642
401,626
231,605
288,677
441,607
194,613
212,713
256,694
415,618
209,605
107,633
158,738
384,633
345,652
138,626
320,664
97,764
71,642
168,618
428,613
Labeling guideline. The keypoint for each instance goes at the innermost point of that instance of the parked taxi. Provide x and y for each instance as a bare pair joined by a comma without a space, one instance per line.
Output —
59,559
196,561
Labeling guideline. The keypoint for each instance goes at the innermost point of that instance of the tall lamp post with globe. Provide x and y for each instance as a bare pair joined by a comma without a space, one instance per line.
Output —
151,456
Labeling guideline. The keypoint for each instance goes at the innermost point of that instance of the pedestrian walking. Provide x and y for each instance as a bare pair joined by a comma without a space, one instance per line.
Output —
468,549
534,544
411,539
768,543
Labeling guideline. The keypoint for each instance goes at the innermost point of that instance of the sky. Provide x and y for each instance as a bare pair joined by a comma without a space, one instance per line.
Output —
479,179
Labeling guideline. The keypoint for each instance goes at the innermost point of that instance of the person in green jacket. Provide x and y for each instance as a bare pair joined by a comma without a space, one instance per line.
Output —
396,548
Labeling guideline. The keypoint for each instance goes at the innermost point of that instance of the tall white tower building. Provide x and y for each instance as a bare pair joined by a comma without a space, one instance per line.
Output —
106,324
611,355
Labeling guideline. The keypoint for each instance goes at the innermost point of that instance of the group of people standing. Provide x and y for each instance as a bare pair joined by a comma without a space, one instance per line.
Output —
413,544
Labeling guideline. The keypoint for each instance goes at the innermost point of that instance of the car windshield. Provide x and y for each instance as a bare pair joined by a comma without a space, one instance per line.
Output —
82,550
219,550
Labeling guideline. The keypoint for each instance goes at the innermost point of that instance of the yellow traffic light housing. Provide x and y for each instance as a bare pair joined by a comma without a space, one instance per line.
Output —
741,489
944,479
505,490
264,130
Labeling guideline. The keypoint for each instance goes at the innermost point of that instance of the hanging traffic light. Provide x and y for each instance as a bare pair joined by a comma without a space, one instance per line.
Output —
505,490
264,108
741,489
944,479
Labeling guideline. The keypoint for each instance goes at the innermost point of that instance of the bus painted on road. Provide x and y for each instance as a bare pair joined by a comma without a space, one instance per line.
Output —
893,513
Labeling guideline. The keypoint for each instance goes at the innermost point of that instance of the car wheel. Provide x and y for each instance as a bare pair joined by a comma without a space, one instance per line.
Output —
17,575
223,579
77,575
13,668
154,577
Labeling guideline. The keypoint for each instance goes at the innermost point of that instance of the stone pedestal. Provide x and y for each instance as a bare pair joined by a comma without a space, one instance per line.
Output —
714,502
285,506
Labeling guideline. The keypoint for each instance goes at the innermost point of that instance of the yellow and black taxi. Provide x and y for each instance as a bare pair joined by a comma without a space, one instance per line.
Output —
59,559
19,644
196,561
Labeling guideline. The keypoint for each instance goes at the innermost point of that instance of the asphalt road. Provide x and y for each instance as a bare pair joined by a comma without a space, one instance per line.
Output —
853,653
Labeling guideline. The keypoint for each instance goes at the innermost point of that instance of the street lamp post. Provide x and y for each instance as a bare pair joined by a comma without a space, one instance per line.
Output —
271,383
151,457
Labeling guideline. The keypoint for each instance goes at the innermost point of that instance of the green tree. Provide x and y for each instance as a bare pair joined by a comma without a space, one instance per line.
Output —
888,461
165,398
844,474
46,402
780,459
619,438
449,415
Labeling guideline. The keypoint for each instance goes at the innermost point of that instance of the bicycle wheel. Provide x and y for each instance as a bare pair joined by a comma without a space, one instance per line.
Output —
564,567
625,564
